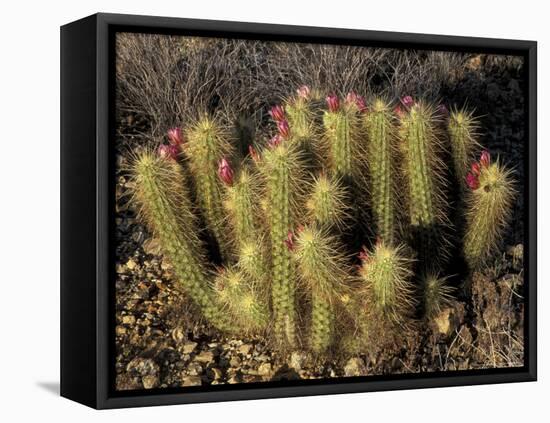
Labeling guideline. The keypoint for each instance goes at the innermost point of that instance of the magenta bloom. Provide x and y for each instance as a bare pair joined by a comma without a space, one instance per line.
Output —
289,241
284,128
472,181
175,136
274,141
363,254
225,172
476,169
358,100
253,153
399,111
407,101
485,159
168,151
333,102
277,113
303,92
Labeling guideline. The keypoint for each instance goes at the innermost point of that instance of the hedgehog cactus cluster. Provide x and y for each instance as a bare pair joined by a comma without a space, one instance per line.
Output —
280,220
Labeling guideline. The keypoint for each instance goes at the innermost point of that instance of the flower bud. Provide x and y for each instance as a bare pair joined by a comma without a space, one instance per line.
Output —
274,141
357,100
289,241
472,181
398,110
175,136
225,172
168,151
442,110
407,101
485,159
253,153
277,113
363,254
303,92
333,102
284,128
476,169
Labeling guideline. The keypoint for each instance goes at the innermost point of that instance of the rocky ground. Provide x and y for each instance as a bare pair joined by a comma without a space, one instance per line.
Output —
159,344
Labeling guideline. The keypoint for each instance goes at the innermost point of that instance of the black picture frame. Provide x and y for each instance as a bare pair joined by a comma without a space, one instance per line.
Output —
87,195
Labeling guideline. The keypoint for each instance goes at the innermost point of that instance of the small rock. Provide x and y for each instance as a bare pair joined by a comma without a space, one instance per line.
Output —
178,335
189,347
128,319
449,320
235,361
205,357
191,381
150,381
131,264
297,360
152,246
194,369
143,367
215,373
245,349
265,369
120,330
355,367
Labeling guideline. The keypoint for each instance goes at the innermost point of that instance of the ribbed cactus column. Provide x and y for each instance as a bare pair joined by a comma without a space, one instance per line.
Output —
327,202
488,209
281,168
166,207
462,128
299,114
206,145
381,157
342,133
322,267
386,272
423,170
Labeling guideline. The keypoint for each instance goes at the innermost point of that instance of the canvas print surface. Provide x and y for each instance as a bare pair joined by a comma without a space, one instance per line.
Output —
289,211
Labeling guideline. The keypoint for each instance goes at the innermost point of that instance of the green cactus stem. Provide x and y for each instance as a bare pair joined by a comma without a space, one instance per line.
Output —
206,145
462,128
166,207
243,300
488,210
283,175
343,140
381,157
300,117
327,202
324,271
436,294
424,170
386,273
252,260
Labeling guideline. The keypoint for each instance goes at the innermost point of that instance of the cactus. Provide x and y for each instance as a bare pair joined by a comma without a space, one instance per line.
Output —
343,138
300,115
423,170
243,301
165,205
386,272
382,159
462,129
326,203
206,145
488,209
283,174
436,294
324,270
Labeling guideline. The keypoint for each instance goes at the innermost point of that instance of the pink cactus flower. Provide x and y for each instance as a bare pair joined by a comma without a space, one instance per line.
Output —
277,113
476,169
175,136
398,110
253,153
333,102
407,101
275,141
289,241
358,100
225,172
168,151
472,181
303,92
284,128
485,159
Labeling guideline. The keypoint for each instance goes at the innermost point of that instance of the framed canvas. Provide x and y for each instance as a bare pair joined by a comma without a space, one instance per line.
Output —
257,211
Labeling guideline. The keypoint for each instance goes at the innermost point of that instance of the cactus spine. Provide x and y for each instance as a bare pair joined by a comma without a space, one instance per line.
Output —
206,145
381,158
326,203
322,267
488,210
462,130
242,299
386,273
281,167
300,118
167,208
436,294
423,170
